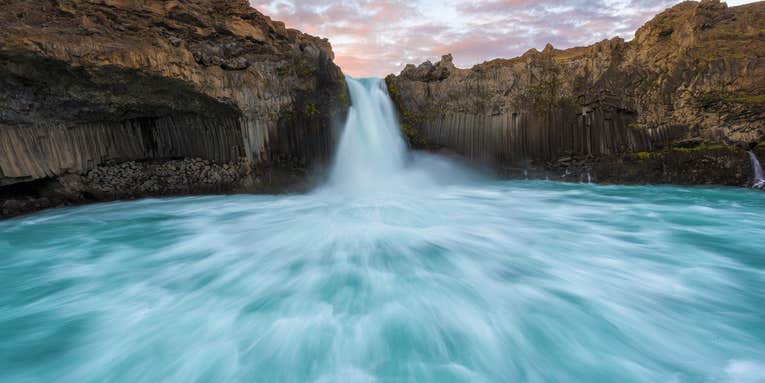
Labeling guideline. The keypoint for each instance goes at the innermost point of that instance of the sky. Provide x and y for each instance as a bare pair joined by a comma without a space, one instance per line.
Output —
372,38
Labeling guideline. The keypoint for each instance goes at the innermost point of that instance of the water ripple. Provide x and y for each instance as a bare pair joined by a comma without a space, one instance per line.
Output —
476,282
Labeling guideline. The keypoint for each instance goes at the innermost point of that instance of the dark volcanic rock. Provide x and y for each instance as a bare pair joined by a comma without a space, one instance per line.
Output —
91,83
130,180
694,75
702,165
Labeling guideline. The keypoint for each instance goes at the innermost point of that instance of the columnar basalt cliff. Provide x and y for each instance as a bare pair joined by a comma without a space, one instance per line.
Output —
106,99
678,104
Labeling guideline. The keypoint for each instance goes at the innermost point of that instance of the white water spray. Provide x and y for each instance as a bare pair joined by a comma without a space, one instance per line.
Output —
371,148
396,271
759,179
372,155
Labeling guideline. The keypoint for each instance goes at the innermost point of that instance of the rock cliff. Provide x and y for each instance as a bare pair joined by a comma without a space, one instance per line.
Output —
691,83
172,96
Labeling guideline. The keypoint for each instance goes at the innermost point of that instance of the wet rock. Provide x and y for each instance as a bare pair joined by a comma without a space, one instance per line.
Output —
692,77
159,82
12,206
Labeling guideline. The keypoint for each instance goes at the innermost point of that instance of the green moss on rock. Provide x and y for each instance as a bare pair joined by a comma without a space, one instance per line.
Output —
705,147
644,155
751,100
311,109
414,137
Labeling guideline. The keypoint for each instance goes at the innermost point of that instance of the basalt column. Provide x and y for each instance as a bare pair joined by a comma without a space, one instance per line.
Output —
215,90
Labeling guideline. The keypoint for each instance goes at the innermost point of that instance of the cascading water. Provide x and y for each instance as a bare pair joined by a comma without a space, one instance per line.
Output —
403,268
371,148
372,157
759,178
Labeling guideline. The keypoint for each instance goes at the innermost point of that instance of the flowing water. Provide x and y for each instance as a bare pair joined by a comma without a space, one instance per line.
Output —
427,273
759,178
371,151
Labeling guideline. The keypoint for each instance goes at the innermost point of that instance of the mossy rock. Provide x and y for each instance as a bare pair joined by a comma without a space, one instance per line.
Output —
311,109
412,135
751,100
644,155
704,148
712,98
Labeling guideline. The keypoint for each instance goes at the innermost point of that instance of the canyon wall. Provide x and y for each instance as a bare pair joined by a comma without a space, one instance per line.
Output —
691,83
90,88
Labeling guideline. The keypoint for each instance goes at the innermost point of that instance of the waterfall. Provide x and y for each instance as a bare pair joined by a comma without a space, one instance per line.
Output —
759,179
371,148
372,156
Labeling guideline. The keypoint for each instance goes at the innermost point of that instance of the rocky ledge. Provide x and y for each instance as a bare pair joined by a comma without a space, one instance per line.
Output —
678,104
131,180
112,99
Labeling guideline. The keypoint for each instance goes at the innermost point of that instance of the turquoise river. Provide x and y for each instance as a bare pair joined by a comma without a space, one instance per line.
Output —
403,267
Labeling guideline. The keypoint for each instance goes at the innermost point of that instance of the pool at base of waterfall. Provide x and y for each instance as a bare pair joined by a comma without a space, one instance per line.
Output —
403,267
471,281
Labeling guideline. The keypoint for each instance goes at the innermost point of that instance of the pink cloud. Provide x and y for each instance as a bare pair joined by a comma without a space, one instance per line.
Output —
377,37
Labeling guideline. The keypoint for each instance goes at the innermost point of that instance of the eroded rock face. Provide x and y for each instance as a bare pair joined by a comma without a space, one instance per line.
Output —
695,74
92,83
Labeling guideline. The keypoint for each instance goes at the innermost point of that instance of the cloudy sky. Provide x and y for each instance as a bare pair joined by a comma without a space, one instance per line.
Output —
377,37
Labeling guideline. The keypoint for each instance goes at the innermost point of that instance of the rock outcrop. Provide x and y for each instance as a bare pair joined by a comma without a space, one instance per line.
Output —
89,85
693,78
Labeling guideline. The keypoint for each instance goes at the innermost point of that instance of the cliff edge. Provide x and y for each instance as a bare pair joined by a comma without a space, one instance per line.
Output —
678,104
112,99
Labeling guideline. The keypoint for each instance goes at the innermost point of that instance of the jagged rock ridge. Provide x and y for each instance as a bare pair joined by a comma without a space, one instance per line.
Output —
92,83
693,75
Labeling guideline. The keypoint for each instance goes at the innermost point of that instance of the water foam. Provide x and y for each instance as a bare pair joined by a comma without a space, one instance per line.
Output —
759,178
371,149
403,268
478,282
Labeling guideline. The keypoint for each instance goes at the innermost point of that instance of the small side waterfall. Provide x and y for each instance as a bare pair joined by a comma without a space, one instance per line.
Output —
371,148
759,179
